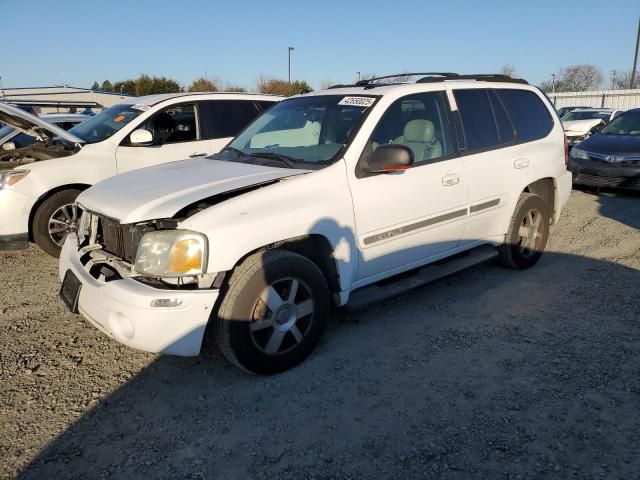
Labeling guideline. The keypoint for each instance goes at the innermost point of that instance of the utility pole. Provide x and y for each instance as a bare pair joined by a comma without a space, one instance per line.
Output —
358,75
614,74
291,49
635,58
553,85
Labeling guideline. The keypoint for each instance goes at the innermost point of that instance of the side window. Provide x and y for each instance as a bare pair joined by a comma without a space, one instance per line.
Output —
174,124
418,121
67,125
264,105
477,119
23,140
528,114
505,127
226,118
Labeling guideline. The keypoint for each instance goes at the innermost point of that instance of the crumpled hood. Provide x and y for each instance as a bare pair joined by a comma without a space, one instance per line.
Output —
163,190
580,127
33,125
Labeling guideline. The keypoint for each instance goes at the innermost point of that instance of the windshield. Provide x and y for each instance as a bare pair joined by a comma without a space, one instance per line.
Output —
6,130
586,116
626,124
105,124
305,130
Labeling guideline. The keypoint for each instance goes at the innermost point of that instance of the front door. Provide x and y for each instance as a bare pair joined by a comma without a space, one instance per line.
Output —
403,218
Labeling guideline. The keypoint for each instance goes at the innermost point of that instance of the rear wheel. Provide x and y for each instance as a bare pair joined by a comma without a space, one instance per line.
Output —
55,219
273,312
528,232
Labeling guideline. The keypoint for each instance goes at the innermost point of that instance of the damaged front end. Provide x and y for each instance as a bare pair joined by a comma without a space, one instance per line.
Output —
37,152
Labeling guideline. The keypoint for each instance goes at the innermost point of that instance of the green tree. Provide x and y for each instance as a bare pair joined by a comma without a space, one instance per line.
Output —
95,86
205,84
106,86
128,87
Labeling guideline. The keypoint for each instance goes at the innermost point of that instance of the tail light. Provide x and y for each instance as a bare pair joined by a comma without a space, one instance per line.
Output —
566,151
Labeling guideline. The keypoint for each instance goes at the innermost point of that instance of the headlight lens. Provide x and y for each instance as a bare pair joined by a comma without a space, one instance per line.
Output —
11,177
579,153
171,253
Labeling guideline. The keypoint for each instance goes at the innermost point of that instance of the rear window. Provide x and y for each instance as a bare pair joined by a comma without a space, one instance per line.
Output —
528,114
477,119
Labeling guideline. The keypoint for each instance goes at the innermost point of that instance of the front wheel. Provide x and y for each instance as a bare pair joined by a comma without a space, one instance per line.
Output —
273,312
55,219
528,232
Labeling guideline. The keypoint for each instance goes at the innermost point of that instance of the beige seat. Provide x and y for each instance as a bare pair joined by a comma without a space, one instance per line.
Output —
419,136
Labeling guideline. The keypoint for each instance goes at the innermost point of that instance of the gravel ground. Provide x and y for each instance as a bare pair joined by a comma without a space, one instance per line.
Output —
487,374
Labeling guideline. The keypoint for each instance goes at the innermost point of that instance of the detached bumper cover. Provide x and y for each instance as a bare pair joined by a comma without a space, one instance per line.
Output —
122,309
14,219
597,173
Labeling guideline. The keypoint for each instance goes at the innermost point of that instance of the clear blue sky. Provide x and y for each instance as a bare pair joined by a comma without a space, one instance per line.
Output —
239,40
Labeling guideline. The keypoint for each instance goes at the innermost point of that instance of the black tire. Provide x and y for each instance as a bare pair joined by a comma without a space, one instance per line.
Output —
520,252
42,217
240,321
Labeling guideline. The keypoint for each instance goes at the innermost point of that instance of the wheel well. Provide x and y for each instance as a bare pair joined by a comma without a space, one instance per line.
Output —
314,247
34,209
546,189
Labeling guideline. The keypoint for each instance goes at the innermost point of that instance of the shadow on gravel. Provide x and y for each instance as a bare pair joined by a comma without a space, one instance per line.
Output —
485,374
620,205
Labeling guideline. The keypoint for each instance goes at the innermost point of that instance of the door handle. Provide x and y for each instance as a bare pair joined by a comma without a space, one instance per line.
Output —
195,155
521,163
450,180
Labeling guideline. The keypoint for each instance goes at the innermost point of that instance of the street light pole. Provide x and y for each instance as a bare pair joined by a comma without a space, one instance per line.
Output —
291,49
358,75
635,59
553,85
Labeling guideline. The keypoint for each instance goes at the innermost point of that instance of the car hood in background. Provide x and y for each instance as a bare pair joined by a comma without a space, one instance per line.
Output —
32,125
580,127
612,144
161,191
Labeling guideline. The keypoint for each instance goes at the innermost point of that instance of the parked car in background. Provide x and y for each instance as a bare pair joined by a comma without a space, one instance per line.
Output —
320,198
582,122
39,183
12,138
610,157
562,111
28,109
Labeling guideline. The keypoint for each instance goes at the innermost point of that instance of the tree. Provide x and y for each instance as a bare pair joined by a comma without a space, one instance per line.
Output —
622,81
106,86
324,84
508,69
205,84
95,86
234,88
576,78
276,86
128,87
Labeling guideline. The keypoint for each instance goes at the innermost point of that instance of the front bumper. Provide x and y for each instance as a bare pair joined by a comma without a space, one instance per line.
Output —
14,219
122,309
596,173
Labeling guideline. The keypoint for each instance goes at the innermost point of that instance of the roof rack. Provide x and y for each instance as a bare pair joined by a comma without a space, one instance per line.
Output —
427,77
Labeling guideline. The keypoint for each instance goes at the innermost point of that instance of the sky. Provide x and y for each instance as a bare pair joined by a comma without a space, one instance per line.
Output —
78,42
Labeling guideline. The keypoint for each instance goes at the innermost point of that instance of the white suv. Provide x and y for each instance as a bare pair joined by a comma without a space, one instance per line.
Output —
37,197
309,208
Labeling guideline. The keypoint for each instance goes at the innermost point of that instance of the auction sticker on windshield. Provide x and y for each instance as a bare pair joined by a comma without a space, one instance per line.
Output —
357,101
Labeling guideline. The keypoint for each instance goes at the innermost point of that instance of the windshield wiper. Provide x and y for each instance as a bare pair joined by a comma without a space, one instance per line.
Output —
288,161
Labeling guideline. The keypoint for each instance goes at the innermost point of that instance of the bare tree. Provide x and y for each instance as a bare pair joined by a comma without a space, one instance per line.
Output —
622,80
234,88
508,69
265,84
576,78
324,84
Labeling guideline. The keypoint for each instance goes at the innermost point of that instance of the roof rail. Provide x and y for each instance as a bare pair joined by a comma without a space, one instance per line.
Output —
481,77
428,77
368,81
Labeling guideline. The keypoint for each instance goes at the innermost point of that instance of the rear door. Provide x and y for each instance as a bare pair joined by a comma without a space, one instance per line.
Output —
222,120
176,136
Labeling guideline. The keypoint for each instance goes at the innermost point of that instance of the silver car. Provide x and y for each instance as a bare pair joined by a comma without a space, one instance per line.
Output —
11,138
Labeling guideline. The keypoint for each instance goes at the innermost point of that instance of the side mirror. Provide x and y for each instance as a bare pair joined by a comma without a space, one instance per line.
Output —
141,138
390,158
8,146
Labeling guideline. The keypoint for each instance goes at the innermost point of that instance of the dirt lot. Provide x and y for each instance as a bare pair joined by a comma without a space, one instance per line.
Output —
488,374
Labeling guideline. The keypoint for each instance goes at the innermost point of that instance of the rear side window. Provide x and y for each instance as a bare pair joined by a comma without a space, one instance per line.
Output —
477,119
505,127
528,114
226,118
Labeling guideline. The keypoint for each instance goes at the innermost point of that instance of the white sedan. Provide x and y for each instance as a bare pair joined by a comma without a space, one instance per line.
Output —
580,123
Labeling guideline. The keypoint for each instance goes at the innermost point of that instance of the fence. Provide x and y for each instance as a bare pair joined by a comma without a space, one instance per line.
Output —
618,99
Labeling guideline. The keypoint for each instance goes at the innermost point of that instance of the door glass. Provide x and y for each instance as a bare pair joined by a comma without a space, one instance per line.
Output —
418,122
226,118
477,119
505,128
530,116
174,124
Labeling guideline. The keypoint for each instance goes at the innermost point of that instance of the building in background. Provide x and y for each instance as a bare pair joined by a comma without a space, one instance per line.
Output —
61,98
616,99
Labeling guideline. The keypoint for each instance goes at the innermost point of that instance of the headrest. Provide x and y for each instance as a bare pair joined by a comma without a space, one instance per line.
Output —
421,131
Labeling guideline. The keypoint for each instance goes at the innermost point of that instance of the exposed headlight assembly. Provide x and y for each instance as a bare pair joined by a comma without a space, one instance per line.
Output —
579,153
171,254
11,177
